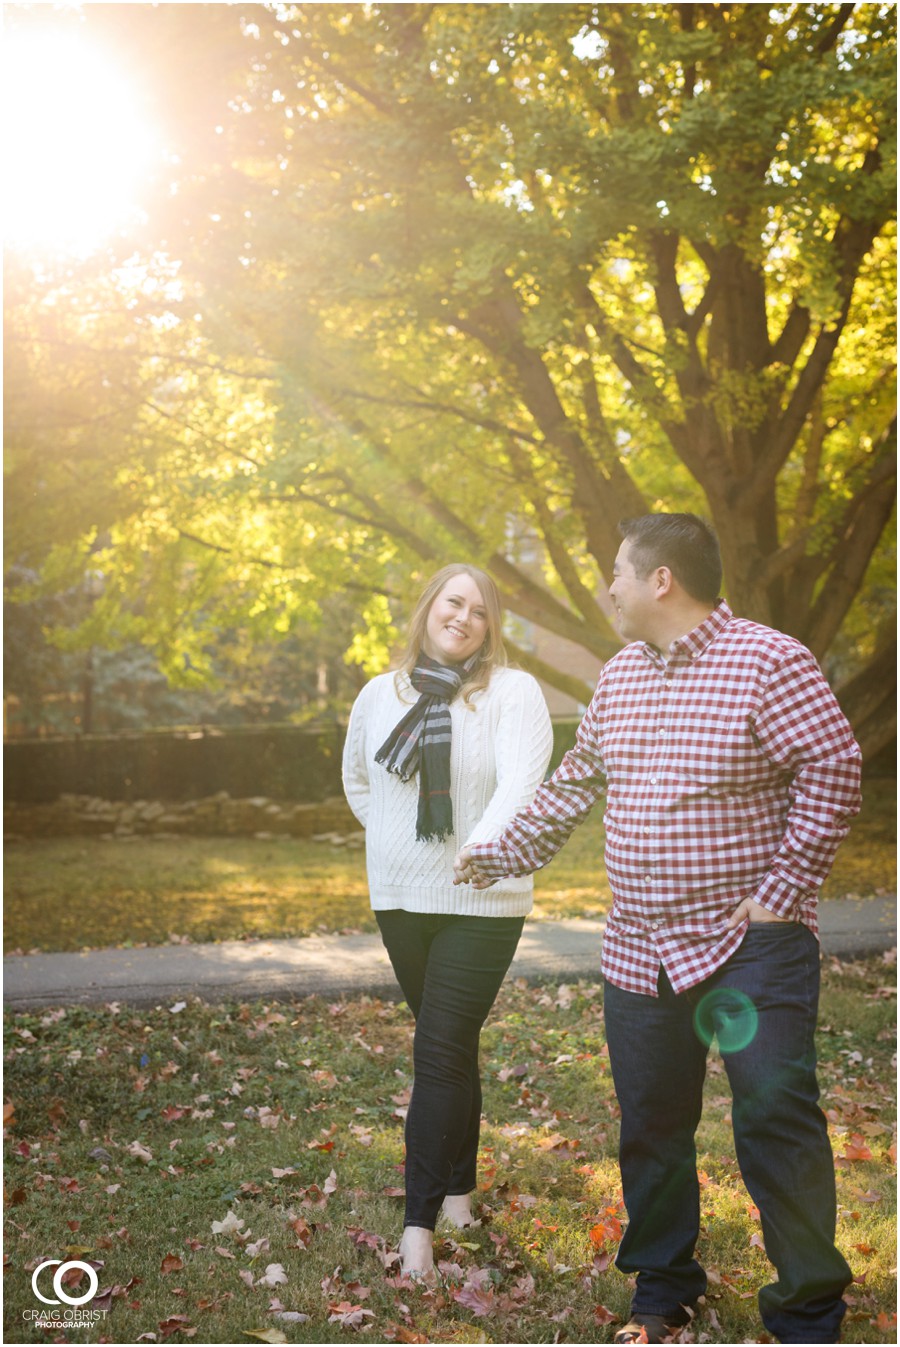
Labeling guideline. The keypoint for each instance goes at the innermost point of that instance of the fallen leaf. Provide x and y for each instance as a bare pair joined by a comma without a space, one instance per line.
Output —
603,1316
856,1149
480,1300
274,1275
348,1315
176,1323
230,1226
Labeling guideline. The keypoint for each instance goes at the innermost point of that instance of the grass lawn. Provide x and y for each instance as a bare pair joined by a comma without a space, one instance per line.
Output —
75,893
232,1173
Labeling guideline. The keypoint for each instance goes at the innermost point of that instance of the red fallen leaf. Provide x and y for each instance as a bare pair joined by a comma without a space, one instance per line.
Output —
355,1289
865,1248
348,1315
603,1316
194,1244
9,1114
364,1237
302,1230
75,1274
215,1304
23,1147
320,1145
171,1263
481,1301
885,1322
176,1323
103,1299
18,1196
394,1192
856,1149
173,1113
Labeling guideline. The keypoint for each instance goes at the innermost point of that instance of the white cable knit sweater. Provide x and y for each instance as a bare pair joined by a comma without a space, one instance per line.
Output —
500,748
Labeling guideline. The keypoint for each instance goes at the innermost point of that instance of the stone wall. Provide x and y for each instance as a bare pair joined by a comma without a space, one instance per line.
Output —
212,816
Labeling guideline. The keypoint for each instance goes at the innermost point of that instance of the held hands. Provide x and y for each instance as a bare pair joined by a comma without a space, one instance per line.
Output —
465,871
751,911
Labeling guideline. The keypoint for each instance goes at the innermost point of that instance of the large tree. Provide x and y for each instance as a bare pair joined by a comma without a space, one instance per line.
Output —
453,278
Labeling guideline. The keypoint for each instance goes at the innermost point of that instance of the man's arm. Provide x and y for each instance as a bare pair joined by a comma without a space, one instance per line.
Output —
802,729
535,834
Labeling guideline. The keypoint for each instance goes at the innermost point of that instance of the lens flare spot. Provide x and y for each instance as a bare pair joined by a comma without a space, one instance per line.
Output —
727,1015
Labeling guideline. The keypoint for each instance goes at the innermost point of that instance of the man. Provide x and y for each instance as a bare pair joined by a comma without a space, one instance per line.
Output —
730,774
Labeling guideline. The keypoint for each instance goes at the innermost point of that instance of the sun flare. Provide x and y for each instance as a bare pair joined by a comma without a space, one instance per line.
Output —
76,145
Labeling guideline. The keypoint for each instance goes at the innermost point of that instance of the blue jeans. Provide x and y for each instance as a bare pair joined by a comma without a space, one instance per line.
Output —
450,969
762,1004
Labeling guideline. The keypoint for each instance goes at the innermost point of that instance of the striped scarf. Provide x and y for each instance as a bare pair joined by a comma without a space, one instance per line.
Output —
421,740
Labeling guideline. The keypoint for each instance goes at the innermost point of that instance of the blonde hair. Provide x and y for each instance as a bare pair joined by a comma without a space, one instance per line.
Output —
492,654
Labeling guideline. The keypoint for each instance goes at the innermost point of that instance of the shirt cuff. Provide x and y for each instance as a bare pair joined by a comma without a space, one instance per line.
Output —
490,859
780,897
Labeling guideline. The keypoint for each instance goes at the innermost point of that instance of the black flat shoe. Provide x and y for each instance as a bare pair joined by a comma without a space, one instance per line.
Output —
648,1328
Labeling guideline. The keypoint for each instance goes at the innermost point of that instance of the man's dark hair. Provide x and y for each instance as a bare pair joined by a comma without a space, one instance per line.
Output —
683,542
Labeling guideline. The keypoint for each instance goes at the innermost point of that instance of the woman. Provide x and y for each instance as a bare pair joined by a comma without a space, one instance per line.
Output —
438,755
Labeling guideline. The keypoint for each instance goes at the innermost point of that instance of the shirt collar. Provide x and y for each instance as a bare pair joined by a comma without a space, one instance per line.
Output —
695,642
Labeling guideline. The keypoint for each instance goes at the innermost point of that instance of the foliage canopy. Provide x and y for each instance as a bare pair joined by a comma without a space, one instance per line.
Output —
438,281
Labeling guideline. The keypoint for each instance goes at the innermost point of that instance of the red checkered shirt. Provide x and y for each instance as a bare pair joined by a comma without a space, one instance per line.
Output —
730,772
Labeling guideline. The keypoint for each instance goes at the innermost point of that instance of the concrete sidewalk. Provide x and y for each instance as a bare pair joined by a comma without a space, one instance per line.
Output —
347,965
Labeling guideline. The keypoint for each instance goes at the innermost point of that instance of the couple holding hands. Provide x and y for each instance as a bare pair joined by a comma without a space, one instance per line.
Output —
729,775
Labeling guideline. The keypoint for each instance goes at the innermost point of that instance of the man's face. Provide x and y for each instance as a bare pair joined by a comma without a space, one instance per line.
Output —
633,598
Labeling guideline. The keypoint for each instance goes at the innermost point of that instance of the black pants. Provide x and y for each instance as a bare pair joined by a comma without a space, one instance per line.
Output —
450,969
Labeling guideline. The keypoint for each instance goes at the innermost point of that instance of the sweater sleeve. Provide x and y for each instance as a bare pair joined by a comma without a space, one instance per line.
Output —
355,768
522,747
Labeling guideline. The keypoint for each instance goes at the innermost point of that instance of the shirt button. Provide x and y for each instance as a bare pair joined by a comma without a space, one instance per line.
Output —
653,781
661,733
648,879
646,832
654,926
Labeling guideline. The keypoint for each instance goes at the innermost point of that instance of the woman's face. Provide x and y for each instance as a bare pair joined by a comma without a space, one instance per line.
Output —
457,621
